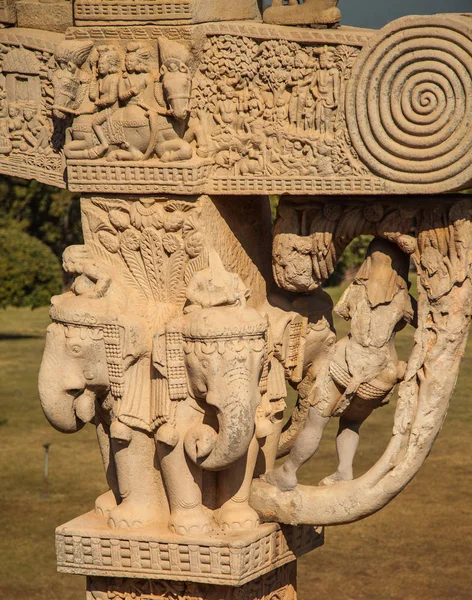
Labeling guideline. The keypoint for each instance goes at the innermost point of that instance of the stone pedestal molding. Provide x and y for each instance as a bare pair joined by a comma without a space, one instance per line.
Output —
191,311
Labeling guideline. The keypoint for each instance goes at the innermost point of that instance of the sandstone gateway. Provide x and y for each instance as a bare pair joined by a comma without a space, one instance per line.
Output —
189,313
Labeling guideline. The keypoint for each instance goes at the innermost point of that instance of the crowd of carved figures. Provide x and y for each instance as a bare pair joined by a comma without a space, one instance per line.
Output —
273,108
26,99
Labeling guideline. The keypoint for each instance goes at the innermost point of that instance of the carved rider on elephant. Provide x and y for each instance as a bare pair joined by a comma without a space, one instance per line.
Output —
104,93
146,112
133,121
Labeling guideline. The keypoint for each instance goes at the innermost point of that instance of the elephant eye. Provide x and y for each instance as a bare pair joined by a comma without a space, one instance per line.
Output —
76,350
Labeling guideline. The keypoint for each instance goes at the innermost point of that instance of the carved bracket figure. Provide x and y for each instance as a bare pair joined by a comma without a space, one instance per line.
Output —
360,374
178,336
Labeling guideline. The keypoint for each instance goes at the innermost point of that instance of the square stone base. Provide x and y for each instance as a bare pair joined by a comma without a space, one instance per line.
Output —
87,546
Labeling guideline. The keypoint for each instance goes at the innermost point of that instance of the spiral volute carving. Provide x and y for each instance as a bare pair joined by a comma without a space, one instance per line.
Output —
409,103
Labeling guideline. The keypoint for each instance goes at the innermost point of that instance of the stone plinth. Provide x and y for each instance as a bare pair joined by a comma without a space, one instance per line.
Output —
87,546
278,584
114,12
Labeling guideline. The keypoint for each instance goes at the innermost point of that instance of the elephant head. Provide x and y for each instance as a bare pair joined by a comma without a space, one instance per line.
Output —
73,372
215,354
90,347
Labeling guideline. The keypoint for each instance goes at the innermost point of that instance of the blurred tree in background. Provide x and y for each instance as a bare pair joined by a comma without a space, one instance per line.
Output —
37,222
30,273
45,212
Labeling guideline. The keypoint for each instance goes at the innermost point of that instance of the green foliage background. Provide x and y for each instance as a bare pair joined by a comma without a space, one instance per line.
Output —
45,212
36,223
30,273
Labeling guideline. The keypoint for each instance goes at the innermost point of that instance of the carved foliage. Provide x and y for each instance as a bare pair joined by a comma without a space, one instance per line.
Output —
158,243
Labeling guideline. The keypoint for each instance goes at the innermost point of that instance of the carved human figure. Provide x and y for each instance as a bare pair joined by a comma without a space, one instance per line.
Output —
37,131
326,89
16,128
362,370
212,360
136,85
136,91
91,278
226,109
301,77
71,83
199,128
104,91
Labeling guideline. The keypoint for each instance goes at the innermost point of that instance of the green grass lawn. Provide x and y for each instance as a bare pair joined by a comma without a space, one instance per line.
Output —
417,548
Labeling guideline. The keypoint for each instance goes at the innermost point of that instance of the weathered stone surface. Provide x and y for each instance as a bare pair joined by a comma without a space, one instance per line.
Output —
177,338
50,16
137,12
359,373
205,110
279,583
87,546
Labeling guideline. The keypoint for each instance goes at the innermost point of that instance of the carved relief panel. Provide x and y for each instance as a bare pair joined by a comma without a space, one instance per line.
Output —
251,109
30,141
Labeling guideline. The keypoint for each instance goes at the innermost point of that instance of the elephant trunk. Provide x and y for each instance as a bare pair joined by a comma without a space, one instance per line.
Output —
58,400
236,425
59,405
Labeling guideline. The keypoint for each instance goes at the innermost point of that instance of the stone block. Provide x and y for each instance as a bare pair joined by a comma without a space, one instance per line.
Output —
87,546
94,12
50,16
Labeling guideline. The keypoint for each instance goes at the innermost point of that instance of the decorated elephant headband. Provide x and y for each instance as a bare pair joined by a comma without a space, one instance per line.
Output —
67,309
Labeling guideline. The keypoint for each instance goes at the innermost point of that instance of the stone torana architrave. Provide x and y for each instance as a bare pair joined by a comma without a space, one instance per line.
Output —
190,312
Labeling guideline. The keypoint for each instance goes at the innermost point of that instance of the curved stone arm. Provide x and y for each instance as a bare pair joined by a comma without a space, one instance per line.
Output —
424,395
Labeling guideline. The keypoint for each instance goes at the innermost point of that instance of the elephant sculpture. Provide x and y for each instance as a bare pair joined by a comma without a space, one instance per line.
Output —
209,363
129,114
95,369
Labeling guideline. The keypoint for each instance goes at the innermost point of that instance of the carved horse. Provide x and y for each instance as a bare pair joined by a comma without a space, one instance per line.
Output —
143,130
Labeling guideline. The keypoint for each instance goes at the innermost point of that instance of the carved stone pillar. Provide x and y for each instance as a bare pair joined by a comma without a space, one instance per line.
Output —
176,121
